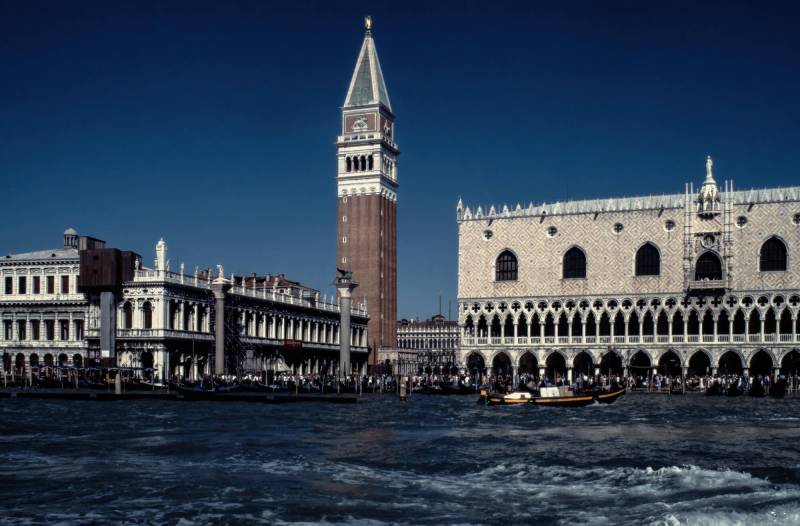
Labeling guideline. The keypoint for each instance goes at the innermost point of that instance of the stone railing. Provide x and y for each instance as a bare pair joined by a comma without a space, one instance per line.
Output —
662,339
288,299
163,333
251,292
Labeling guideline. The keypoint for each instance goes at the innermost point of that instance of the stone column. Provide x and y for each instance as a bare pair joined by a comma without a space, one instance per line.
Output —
515,375
344,286
569,375
716,327
219,287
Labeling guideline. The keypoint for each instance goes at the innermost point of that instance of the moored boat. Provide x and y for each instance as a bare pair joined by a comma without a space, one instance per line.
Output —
552,396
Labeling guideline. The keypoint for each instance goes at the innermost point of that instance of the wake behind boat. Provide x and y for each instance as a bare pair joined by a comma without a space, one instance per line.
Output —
552,396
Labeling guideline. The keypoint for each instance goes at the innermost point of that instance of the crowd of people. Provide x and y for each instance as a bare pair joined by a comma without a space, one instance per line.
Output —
729,384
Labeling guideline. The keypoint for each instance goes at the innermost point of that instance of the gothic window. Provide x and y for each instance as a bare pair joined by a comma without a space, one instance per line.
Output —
363,163
708,267
506,267
370,162
349,163
648,261
574,264
773,255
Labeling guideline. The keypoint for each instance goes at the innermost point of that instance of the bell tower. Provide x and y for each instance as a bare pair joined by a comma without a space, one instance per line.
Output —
367,195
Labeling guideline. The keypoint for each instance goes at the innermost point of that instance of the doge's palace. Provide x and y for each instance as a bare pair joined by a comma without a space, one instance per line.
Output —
701,282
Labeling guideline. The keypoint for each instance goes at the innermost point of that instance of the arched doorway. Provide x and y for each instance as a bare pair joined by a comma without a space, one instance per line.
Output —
501,365
611,364
670,364
528,364
475,364
34,359
556,367
761,364
77,360
6,362
730,363
790,365
187,368
63,360
699,364
639,367
582,365
48,359
19,364
147,360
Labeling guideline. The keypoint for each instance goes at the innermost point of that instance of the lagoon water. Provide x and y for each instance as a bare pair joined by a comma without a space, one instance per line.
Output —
433,460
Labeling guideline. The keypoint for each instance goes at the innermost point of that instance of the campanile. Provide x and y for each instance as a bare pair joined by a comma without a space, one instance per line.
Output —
367,194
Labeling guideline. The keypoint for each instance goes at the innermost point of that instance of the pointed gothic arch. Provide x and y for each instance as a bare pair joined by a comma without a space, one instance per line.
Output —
506,266
574,263
648,260
708,267
699,363
772,256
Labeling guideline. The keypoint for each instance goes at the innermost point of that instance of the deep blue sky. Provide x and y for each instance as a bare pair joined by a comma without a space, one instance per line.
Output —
213,124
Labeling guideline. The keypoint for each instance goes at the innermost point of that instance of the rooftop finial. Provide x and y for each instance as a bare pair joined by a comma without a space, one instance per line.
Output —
709,165
368,22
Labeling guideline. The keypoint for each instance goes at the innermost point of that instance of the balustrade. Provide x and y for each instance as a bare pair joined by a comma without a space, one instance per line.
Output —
633,339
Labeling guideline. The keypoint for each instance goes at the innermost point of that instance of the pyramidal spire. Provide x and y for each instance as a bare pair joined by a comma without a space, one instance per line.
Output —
367,85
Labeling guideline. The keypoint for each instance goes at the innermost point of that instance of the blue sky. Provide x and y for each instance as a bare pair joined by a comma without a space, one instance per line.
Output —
213,124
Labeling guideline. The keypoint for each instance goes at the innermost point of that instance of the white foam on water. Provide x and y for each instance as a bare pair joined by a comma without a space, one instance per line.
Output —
783,515
574,495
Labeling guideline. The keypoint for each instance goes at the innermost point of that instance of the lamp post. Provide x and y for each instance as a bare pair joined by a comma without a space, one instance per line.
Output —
344,285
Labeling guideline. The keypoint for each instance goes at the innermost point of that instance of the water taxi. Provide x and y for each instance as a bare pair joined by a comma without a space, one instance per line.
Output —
552,396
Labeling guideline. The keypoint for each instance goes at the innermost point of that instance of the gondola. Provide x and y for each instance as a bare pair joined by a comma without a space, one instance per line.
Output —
778,389
733,390
757,389
552,396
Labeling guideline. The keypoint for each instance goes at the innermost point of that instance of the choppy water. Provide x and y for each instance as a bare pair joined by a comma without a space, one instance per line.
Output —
434,460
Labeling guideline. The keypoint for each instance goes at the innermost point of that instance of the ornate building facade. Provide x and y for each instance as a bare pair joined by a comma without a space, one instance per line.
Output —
430,345
693,283
367,195
52,314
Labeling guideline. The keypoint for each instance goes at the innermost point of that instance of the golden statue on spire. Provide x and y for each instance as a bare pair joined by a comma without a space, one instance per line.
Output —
368,22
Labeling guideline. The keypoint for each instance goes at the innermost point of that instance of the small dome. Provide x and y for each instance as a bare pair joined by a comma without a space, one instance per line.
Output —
70,232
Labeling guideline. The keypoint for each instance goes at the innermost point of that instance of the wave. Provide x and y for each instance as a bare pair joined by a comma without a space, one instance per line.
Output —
667,496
